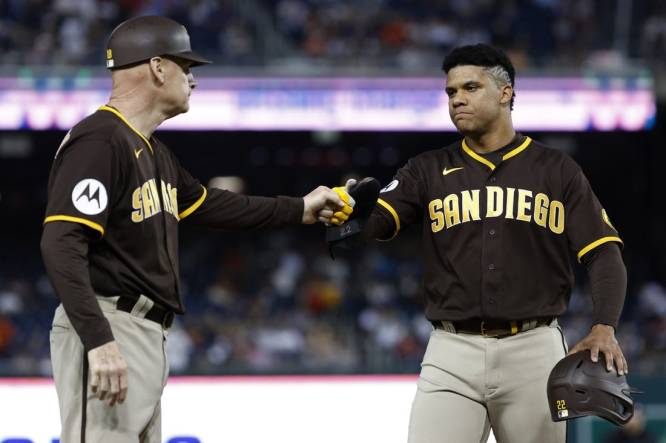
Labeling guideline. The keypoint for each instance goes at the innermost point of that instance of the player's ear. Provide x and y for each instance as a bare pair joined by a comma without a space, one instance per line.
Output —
506,94
157,69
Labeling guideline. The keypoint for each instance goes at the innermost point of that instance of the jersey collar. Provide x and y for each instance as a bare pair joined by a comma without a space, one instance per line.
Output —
512,153
129,125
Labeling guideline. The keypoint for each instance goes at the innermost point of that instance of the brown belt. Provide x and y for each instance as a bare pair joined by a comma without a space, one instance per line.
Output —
492,327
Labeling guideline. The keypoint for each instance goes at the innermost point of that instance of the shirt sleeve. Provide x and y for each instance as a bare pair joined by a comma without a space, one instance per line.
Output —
83,179
191,193
608,282
587,224
222,209
400,200
65,253
379,226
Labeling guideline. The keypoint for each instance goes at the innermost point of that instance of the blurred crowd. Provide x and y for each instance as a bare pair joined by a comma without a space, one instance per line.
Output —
301,34
275,302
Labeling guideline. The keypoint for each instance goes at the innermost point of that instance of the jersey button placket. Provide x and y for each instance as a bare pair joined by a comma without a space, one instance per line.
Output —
492,256
489,255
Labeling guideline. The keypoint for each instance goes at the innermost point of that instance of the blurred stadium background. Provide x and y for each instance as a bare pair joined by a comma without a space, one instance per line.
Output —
308,92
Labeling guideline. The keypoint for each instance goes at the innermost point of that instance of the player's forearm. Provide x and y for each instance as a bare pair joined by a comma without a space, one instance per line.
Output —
228,210
64,251
608,283
378,226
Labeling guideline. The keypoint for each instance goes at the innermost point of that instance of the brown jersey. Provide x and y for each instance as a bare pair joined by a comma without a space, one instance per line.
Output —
497,237
106,175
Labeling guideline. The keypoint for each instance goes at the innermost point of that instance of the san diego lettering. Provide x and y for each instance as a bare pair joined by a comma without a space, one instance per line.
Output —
510,203
146,202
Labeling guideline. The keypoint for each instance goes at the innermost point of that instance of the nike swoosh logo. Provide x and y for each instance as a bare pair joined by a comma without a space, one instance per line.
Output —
448,171
137,152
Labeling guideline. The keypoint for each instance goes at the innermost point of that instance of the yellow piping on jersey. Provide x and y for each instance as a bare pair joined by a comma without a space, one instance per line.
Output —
518,150
596,243
506,156
82,221
390,209
476,156
122,117
194,207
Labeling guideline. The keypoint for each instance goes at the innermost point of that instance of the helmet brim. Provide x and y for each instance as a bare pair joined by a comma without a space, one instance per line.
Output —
193,57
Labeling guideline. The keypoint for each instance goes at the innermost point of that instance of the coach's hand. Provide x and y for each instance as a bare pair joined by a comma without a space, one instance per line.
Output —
321,204
108,372
602,339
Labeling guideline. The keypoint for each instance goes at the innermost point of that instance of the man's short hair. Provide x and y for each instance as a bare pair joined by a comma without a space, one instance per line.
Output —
496,62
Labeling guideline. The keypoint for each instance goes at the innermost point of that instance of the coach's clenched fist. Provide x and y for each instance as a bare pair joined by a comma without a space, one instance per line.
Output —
321,204
108,373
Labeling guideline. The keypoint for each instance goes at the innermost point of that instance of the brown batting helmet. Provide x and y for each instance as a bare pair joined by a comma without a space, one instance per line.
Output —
142,38
577,387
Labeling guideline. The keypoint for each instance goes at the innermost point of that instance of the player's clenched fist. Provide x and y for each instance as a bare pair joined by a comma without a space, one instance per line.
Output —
322,204
108,373
341,216
362,196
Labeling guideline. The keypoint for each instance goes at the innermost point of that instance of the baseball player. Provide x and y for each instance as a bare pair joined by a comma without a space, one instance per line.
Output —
500,214
110,242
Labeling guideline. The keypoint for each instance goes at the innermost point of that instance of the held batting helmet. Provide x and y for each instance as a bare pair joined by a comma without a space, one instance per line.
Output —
142,38
578,387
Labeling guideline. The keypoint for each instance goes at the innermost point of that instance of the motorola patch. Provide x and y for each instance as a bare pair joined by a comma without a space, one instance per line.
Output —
390,187
89,196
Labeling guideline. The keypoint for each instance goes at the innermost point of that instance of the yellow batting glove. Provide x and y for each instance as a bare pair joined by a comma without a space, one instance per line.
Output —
343,214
